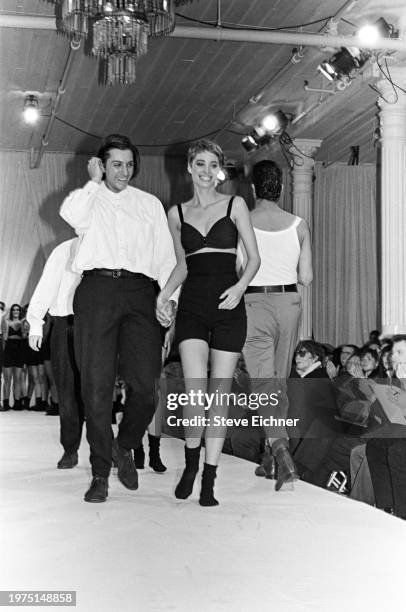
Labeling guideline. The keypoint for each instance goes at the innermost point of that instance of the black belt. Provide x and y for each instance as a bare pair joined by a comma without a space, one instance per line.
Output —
114,273
271,288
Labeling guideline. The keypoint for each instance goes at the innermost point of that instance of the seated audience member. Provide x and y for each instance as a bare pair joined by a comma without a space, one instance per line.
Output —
386,453
385,367
312,402
329,360
346,351
374,335
352,405
387,409
369,358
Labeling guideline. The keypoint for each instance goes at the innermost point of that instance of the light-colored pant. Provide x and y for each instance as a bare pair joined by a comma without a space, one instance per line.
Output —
273,321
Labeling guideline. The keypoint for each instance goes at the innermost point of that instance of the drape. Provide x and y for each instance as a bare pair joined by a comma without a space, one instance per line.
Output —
345,286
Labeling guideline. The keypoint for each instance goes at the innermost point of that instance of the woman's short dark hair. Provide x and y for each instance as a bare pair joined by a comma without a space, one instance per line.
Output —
200,146
267,180
10,316
118,141
367,349
314,348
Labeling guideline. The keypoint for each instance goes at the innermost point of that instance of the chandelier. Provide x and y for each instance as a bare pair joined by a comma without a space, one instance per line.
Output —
119,30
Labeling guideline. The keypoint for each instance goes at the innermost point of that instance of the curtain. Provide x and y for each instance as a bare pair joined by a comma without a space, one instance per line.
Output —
345,285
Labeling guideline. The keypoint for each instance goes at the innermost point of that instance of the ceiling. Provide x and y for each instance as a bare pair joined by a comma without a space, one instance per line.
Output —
188,87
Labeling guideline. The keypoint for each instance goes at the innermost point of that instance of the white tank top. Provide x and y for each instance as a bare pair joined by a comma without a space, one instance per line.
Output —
279,252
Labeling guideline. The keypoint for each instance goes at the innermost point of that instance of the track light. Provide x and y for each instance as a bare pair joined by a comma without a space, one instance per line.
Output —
372,32
31,110
343,63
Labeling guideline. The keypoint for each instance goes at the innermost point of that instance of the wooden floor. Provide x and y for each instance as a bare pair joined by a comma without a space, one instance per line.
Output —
304,549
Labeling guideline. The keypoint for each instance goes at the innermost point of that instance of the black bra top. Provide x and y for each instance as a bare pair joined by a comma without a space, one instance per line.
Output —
14,332
223,233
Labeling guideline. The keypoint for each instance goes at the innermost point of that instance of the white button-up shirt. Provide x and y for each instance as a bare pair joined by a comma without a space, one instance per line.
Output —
126,230
55,288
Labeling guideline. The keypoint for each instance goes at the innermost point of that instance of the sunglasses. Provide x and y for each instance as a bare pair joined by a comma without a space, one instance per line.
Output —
302,352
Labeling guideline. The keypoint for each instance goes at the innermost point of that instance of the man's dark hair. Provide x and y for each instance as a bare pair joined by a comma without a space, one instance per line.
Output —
267,180
399,338
117,141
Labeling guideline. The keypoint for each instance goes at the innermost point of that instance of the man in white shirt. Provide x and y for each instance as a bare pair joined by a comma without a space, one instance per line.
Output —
125,244
54,293
272,301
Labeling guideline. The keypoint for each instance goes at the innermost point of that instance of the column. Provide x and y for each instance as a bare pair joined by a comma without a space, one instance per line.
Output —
393,202
302,193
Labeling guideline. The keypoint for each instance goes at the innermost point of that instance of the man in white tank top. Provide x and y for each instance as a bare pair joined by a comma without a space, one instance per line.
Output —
273,303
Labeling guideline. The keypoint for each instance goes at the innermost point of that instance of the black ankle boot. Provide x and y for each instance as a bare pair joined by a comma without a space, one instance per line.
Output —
25,403
5,406
185,485
139,457
285,466
17,405
38,404
206,494
154,457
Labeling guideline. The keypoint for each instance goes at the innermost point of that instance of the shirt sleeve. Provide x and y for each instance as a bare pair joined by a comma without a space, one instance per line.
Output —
77,207
45,293
165,258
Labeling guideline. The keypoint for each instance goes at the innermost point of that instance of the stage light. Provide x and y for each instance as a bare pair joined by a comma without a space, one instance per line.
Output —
249,143
343,63
275,123
258,138
31,110
372,32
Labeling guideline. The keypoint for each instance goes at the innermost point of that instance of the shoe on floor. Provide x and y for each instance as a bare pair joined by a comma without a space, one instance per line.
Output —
127,472
67,461
98,490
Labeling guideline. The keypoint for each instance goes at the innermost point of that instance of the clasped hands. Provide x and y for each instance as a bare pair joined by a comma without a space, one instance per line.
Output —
165,311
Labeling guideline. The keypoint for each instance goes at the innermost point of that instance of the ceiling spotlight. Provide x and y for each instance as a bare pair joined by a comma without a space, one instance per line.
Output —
342,64
275,123
372,32
249,143
258,138
31,110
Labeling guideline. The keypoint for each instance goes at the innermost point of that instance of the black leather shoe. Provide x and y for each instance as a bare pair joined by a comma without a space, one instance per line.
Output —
127,472
68,461
98,490
285,467
267,467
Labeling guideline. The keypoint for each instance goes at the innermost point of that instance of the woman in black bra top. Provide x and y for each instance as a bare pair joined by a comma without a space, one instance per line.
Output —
14,358
211,321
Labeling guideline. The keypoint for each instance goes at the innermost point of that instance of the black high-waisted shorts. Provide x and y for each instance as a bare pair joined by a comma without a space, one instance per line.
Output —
199,317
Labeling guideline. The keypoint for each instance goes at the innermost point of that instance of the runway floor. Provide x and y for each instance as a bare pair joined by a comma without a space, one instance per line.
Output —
304,549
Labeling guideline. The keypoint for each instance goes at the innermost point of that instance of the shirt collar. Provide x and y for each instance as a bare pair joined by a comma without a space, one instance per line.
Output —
114,196
314,366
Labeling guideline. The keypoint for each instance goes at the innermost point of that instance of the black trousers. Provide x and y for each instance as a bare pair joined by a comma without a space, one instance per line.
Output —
67,383
115,318
387,464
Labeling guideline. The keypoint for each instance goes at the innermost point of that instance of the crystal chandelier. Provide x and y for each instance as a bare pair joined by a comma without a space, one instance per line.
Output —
119,30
